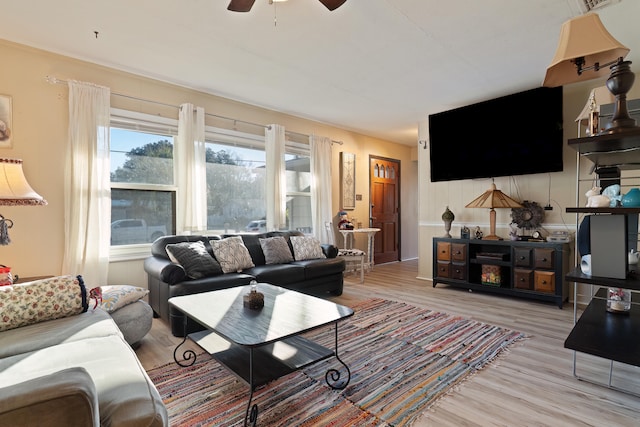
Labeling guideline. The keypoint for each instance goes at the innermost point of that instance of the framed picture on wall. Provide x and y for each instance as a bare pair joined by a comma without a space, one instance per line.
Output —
6,122
348,180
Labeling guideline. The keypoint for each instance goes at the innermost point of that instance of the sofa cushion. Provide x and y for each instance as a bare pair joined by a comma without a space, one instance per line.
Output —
126,395
280,274
317,268
232,254
63,398
306,247
276,250
117,296
134,320
194,258
90,324
47,299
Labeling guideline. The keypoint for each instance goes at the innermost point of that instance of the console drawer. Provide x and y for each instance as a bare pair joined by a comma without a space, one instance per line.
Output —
544,258
523,279
444,251
522,257
459,252
545,281
444,269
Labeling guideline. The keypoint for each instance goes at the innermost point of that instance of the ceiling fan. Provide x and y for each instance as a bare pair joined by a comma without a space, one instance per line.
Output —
245,5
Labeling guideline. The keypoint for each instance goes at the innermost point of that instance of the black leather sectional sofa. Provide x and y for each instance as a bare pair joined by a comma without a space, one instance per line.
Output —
166,279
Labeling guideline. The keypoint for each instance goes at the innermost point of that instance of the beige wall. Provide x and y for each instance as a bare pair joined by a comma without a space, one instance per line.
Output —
40,115
558,187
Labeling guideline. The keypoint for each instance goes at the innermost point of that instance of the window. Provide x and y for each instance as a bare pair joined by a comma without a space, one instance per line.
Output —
143,193
236,196
143,190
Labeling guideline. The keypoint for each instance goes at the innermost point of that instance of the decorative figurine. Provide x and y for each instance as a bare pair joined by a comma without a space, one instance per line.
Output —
478,233
448,218
595,199
344,223
513,234
613,193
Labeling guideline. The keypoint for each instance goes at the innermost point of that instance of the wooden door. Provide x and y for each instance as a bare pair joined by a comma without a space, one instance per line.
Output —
384,178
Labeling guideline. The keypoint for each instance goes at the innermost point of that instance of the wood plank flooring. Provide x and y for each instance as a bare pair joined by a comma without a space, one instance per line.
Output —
531,385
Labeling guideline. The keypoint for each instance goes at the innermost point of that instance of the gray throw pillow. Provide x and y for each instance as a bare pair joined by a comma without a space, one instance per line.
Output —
232,254
276,250
194,258
306,247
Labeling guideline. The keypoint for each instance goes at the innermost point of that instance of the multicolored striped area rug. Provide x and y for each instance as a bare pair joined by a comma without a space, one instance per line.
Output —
402,360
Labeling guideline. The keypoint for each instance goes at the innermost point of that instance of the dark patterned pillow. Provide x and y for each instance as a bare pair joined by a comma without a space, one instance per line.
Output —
276,250
306,247
232,254
194,258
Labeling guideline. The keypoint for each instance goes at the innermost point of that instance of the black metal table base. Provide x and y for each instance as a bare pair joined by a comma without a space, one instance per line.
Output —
333,376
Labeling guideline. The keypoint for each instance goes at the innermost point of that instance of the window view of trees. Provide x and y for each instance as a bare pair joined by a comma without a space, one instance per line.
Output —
143,192
235,187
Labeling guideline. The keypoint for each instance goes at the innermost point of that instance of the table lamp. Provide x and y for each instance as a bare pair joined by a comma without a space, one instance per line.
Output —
584,52
491,199
14,191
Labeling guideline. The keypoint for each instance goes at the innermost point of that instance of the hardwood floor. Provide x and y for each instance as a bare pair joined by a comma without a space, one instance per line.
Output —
531,385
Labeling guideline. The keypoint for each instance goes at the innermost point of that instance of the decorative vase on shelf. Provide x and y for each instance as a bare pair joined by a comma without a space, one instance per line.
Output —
631,199
448,218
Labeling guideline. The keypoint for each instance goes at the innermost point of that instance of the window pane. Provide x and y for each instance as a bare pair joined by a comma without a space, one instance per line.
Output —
235,188
140,157
298,176
141,216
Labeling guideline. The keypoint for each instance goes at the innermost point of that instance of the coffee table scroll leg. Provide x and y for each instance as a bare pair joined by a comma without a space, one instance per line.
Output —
188,355
251,414
332,376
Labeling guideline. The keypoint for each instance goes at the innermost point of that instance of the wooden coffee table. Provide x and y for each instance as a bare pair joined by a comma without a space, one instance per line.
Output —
261,345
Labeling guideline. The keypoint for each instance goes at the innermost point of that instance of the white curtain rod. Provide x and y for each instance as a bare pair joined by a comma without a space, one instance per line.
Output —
55,80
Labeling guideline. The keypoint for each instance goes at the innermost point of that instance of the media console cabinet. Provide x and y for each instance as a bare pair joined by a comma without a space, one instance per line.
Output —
524,269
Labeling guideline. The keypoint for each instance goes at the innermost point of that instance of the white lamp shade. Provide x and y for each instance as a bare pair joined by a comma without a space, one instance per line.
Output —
14,188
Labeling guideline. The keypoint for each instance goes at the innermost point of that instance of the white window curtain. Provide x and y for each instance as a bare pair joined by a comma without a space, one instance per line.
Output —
191,170
275,180
87,191
321,212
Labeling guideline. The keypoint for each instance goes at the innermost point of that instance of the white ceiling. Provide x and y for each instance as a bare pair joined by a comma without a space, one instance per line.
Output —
377,67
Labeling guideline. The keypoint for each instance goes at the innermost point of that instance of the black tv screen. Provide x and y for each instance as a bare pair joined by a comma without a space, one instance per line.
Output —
516,134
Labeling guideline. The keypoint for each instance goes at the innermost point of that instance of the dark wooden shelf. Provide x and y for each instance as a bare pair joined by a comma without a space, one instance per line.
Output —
618,149
271,361
631,282
607,335
620,211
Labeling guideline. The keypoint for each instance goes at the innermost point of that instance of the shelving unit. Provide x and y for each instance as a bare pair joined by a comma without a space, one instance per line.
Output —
610,336
533,270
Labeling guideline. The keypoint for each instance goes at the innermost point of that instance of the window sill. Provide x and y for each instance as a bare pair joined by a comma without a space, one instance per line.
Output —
129,252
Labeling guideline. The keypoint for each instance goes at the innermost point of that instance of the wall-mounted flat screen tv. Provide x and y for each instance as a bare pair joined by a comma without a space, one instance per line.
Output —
517,134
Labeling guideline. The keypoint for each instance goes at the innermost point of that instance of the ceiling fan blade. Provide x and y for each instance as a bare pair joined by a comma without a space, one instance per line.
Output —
240,5
332,4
